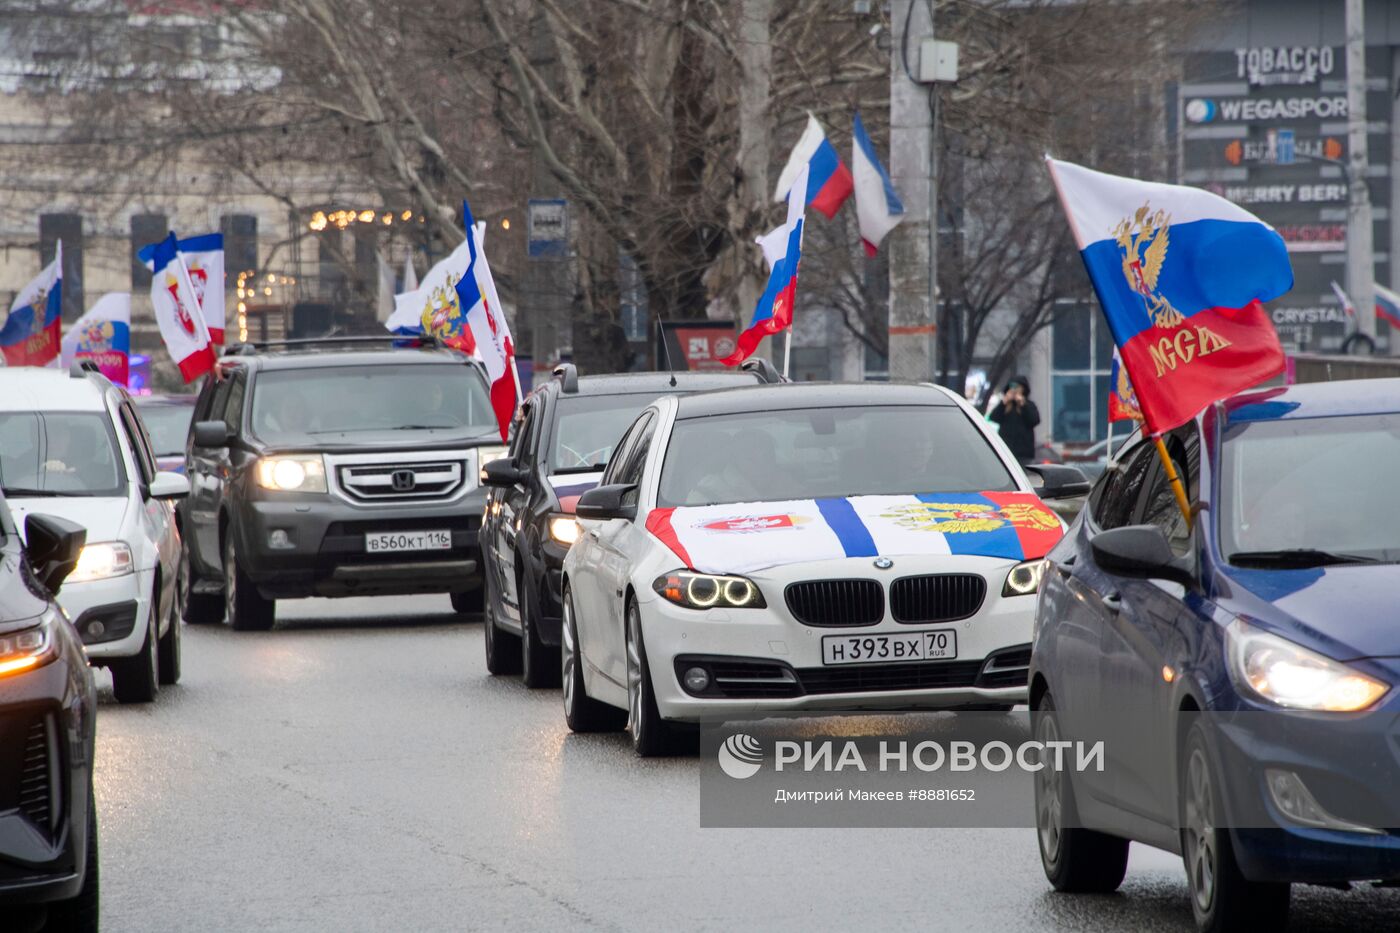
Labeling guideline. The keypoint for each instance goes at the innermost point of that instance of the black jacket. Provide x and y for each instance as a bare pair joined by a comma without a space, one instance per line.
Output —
1018,428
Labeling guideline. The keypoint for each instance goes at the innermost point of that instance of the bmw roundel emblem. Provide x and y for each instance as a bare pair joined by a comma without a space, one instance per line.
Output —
883,563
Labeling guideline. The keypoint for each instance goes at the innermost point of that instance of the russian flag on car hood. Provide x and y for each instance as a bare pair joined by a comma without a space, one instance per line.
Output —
878,208
1182,276
774,310
30,336
828,180
747,537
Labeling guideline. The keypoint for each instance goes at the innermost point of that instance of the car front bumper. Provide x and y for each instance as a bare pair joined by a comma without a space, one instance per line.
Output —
765,662
110,615
297,546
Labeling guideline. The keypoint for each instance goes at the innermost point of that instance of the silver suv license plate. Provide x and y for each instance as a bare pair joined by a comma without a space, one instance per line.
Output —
378,541
890,649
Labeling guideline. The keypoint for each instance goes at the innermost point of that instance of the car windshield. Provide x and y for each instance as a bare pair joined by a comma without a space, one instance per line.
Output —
832,452
59,454
1319,484
291,405
167,425
588,427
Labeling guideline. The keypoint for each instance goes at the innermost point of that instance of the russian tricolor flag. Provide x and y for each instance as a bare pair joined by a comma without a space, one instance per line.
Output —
1182,276
1387,306
30,336
828,180
878,208
783,249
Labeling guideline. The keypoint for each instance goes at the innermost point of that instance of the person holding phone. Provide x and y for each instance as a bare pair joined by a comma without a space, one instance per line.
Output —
1016,418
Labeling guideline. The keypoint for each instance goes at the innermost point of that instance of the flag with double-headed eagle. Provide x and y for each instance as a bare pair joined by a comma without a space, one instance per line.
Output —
1122,400
103,335
431,309
1182,276
30,336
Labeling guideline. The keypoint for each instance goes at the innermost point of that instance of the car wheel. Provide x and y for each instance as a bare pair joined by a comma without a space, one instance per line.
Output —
245,609
134,679
197,608
1222,898
469,603
168,653
652,736
79,914
539,663
581,711
502,648
1076,860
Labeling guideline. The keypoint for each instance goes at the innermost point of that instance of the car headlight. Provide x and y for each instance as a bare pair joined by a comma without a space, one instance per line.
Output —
708,591
1024,578
485,455
293,473
1277,671
101,561
27,649
564,529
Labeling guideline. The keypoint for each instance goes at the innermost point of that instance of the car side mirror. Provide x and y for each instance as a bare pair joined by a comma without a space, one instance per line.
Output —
211,434
166,485
604,502
1057,480
502,473
53,545
1138,550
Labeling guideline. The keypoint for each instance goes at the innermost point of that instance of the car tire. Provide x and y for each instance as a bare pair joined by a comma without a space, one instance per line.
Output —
1222,898
540,666
79,914
135,679
652,736
470,603
1076,860
245,609
581,711
502,648
197,608
168,652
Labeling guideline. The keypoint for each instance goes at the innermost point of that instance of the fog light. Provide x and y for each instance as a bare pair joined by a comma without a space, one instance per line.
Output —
697,679
1297,803
95,629
279,539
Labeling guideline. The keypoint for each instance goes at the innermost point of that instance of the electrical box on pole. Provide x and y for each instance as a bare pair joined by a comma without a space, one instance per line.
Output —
938,62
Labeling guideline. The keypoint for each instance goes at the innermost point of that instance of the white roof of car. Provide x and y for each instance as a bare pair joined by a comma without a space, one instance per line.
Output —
33,388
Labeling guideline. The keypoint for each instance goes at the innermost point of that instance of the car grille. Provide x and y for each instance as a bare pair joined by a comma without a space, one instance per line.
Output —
942,597
861,678
401,482
37,775
843,603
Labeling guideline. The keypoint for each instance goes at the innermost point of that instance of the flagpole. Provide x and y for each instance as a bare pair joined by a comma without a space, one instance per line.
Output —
1175,479
787,351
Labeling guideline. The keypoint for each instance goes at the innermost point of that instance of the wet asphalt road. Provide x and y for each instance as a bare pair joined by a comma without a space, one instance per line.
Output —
357,769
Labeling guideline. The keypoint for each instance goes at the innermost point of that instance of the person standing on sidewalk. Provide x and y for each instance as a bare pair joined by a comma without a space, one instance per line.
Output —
1016,418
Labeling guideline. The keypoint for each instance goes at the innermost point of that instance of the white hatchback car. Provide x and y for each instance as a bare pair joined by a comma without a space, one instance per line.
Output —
72,445
803,548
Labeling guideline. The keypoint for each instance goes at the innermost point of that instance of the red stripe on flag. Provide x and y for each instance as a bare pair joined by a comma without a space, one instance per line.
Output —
197,363
835,192
216,335
503,399
1174,379
659,524
1036,541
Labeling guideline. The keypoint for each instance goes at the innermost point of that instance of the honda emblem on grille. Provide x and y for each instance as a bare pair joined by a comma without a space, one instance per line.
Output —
883,563
403,480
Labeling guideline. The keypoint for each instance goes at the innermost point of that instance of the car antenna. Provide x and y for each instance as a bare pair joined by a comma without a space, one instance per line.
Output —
666,349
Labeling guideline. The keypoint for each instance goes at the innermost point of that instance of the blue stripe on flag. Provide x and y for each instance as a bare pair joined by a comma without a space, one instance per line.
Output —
850,530
999,542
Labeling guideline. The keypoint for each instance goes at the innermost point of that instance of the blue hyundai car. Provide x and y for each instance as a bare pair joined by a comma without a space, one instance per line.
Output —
1239,668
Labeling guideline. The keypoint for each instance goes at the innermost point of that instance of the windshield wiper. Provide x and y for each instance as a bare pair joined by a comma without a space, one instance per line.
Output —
421,427
21,492
590,468
1297,557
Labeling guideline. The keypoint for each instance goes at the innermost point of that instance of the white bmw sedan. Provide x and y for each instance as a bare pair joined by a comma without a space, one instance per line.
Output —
800,548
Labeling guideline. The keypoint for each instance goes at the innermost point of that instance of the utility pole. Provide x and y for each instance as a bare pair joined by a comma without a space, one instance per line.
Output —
1394,263
1361,269
914,243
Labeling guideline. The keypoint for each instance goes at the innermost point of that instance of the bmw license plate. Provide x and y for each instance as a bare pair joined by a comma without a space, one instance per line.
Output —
379,541
890,649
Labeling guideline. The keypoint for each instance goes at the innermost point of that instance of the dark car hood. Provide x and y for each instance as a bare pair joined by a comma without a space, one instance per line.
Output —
363,441
20,605
1349,611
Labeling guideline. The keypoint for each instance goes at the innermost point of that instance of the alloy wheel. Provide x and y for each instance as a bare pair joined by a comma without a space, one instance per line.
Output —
1049,812
230,581
567,664
1201,857
634,673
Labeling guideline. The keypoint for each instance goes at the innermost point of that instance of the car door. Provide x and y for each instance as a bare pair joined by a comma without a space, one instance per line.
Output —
157,517
1142,647
616,547
513,505
207,467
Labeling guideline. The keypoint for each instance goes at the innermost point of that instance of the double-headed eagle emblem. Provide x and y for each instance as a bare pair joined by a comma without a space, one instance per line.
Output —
443,310
962,518
1143,241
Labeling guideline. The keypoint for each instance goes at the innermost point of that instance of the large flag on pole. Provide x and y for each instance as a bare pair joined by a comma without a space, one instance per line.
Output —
1182,276
30,336
828,180
783,249
103,335
203,256
176,305
878,208
487,326
431,310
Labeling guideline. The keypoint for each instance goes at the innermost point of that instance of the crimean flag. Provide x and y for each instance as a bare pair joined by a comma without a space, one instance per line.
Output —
878,208
176,306
485,326
203,256
30,336
1182,276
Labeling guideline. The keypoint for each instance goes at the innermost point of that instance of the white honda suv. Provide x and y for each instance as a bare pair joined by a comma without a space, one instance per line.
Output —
72,445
